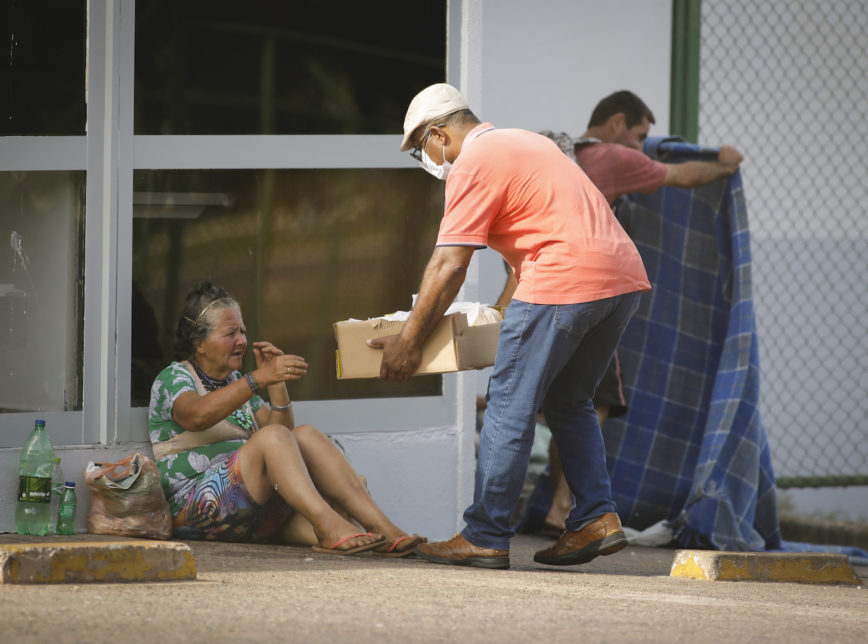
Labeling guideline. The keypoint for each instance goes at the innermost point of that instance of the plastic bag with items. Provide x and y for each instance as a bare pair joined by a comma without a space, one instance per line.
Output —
126,499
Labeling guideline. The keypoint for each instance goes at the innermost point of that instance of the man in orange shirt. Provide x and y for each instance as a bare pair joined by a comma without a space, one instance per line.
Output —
610,153
579,281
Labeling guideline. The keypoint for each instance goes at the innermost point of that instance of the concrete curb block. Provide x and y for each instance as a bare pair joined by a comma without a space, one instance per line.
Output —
803,568
87,561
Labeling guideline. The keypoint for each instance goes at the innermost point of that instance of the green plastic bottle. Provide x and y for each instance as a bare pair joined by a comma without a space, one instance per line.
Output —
66,510
33,512
57,481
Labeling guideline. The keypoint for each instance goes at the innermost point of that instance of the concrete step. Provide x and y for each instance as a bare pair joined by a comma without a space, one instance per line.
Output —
81,559
803,568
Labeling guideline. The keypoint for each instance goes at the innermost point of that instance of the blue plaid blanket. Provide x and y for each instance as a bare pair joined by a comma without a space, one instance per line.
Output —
691,449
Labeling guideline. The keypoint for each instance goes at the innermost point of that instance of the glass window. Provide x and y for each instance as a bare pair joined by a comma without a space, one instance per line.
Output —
41,278
43,72
302,67
298,249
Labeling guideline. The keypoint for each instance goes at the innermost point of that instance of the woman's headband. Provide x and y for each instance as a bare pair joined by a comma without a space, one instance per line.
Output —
199,317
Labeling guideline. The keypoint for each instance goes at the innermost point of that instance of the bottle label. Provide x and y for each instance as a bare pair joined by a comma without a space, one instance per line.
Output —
34,489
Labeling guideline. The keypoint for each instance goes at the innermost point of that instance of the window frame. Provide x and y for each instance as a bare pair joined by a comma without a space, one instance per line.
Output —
109,153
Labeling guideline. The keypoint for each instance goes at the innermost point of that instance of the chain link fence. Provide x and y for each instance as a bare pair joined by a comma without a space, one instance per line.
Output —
786,83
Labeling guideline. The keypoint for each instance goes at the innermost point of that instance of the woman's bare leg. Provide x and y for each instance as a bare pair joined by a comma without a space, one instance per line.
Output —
297,531
271,460
336,480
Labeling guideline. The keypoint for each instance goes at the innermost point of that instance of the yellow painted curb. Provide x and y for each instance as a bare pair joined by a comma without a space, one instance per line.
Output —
803,568
89,561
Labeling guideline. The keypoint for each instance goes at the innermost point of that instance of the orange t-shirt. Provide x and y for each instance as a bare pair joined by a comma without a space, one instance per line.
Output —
516,192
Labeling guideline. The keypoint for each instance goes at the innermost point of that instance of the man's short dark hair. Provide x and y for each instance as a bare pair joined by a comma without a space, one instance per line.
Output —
623,102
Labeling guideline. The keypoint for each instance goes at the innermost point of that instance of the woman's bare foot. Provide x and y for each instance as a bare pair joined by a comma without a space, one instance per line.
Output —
337,534
398,543
400,547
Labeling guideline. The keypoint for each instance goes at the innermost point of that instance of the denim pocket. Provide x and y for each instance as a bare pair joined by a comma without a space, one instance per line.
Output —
575,319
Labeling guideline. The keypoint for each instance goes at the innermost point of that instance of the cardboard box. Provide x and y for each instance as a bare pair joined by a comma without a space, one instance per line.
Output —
452,346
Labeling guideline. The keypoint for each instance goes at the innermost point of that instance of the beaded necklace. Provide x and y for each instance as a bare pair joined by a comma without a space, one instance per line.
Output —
241,415
209,383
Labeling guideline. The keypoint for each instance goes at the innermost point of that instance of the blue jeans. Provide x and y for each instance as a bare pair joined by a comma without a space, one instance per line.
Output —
549,357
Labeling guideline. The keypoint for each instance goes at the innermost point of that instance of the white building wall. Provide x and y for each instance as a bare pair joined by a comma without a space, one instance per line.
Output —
540,65
545,65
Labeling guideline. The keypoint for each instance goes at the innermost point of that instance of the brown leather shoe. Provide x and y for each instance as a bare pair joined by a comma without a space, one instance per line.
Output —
603,536
458,551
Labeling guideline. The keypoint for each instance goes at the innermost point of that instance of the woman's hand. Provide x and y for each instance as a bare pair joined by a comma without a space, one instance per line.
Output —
264,352
274,366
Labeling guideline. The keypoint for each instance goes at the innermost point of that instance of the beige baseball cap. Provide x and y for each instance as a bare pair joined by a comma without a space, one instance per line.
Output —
433,102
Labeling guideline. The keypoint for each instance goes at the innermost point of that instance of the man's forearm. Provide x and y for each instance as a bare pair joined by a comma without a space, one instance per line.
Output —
508,289
692,174
441,282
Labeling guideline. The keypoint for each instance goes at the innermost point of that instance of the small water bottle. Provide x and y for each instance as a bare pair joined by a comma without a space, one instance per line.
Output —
66,510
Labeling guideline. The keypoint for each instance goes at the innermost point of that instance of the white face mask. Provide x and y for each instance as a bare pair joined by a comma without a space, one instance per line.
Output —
438,171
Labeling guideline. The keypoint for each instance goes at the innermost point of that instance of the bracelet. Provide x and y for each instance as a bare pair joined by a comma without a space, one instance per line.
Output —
251,380
285,407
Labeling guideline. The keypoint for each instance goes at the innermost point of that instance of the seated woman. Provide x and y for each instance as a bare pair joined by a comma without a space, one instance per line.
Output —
235,468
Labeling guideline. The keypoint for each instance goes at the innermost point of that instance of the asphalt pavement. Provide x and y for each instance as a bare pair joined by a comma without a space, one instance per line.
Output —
261,593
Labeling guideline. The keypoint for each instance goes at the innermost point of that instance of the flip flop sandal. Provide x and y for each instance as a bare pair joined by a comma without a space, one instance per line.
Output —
333,549
392,551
